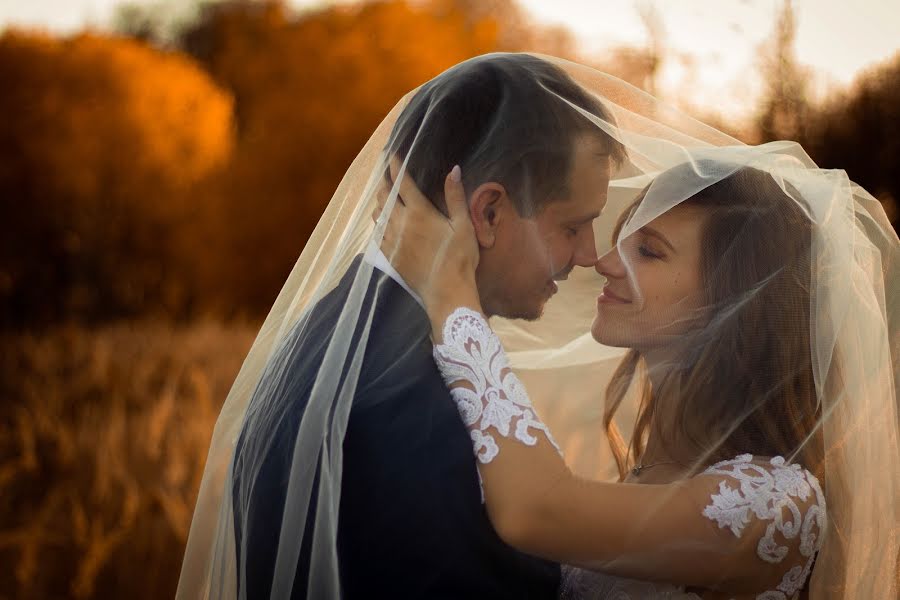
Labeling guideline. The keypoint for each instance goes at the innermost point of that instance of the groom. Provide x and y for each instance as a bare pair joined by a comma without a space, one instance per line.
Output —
411,522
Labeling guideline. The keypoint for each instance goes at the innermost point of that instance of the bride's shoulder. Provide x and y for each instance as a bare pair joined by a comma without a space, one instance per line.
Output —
776,505
771,478
772,491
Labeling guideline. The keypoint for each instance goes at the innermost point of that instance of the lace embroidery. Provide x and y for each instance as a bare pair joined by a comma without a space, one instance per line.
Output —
768,492
497,400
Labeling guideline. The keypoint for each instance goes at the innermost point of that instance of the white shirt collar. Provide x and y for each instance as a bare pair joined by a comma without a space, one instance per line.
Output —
375,257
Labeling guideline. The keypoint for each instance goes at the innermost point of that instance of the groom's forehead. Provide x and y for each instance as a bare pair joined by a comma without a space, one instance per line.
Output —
575,209
589,176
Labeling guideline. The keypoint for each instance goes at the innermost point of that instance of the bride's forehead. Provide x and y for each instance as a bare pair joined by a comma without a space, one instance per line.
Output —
683,213
681,223
659,209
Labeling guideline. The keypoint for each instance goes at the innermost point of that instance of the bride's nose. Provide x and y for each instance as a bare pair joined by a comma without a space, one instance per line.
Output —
610,264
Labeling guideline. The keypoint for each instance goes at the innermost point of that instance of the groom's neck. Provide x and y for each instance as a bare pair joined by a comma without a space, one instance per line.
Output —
484,284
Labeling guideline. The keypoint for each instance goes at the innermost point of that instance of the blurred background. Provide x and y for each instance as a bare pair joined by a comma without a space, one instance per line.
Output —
162,163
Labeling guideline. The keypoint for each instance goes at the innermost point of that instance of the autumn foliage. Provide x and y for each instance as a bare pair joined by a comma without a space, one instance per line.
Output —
102,139
185,182
309,91
859,131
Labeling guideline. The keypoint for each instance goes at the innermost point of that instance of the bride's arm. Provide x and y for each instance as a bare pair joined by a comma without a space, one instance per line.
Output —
693,532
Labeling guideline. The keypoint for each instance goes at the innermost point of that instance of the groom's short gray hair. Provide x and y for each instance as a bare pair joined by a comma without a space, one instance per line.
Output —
509,118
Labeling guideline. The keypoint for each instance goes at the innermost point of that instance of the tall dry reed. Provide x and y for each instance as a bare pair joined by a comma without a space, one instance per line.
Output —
103,437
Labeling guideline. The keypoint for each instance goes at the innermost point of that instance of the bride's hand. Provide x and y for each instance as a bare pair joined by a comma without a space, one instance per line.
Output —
435,255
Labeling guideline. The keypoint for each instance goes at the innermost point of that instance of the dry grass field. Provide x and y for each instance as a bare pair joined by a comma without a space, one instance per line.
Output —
103,437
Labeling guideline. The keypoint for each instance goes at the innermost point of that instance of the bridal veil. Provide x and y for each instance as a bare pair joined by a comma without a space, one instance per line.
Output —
845,322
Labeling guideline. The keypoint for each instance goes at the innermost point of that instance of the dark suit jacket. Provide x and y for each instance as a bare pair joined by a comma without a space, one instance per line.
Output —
411,523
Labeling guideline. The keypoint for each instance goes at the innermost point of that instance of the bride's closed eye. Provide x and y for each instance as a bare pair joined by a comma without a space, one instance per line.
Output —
647,252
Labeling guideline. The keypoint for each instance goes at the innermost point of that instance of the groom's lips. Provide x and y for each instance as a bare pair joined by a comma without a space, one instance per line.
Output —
555,286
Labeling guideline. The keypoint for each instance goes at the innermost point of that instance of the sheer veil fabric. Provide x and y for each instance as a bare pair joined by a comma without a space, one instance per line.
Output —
845,323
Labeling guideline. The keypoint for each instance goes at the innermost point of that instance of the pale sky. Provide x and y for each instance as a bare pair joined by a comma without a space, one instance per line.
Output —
713,45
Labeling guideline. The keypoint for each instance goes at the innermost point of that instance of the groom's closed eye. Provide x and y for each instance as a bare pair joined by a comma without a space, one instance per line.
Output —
573,227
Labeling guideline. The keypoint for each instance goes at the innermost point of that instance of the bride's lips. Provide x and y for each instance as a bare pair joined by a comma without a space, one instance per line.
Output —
610,297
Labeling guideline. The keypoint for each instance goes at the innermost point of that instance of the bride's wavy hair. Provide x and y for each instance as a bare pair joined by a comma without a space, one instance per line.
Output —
743,380
509,118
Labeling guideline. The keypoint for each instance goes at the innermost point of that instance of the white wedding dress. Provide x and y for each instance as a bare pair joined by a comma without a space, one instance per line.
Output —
747,491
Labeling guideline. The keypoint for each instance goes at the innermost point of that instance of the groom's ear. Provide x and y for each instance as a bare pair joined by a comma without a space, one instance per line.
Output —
487,207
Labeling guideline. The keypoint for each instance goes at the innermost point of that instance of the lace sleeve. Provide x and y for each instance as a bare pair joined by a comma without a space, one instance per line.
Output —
778,507
490,398
782,503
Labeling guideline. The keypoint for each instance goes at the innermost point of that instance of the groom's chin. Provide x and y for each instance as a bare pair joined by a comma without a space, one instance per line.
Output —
523,312
519,306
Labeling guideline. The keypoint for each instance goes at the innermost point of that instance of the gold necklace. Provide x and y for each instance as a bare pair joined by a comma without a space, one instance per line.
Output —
636,470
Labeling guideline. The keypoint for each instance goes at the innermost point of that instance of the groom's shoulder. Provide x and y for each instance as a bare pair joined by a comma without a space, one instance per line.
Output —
370,299
378,314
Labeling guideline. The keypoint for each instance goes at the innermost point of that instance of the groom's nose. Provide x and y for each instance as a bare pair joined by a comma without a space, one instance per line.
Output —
585,254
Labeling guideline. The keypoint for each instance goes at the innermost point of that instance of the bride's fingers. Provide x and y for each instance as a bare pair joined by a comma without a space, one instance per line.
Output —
455,196
414,200
463,230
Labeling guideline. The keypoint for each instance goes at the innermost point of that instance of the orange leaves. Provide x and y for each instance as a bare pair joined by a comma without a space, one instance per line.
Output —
309,92
107,136
144,180
106,105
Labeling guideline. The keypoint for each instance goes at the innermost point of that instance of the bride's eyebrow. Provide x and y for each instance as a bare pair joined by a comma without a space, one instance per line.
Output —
647,230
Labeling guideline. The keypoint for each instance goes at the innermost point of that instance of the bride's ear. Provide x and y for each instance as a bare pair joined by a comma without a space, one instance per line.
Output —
487,207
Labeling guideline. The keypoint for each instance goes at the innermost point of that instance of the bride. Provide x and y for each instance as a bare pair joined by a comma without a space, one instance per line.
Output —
713,296
756,296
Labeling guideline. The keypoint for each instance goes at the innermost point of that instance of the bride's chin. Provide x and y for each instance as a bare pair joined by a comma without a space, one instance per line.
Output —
597,331
605,333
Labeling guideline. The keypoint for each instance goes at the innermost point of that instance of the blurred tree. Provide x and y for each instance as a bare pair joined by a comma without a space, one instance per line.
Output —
859,131
513,28
639,65
784,105
103,138
137,183
655,52
159,22
309,90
